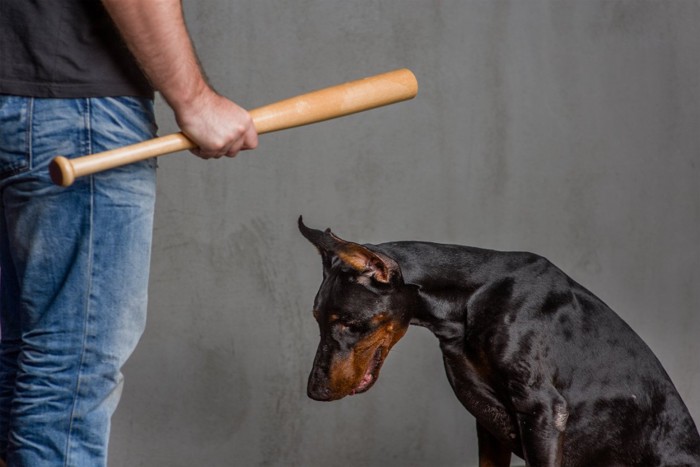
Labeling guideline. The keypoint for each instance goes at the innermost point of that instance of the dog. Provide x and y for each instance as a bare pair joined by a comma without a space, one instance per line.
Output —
550,372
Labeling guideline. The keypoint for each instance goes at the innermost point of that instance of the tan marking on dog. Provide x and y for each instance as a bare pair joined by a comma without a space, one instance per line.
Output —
346,374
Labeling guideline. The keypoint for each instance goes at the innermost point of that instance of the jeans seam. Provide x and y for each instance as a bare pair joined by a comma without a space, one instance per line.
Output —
88,293
30,133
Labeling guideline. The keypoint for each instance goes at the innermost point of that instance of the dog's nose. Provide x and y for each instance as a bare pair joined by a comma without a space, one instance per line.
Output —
318,392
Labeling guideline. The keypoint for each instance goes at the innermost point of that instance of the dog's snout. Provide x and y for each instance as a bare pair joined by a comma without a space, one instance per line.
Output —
317,388
318,392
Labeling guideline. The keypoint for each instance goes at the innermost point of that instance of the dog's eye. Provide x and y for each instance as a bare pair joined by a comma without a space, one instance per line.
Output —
345,327
338,331
359,327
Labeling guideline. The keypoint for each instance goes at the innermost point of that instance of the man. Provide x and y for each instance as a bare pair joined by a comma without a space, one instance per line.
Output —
74,261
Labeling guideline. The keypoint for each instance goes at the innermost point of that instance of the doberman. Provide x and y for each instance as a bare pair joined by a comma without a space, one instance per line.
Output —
548,370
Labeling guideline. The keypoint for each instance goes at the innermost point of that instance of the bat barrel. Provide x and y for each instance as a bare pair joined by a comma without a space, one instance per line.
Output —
336,101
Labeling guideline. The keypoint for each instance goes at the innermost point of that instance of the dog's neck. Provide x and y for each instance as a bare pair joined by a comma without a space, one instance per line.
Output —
444,278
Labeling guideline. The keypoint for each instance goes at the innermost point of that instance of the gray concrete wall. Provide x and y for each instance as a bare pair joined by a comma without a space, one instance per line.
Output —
567,128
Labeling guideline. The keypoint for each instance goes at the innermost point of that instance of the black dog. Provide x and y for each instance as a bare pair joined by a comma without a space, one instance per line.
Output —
547,369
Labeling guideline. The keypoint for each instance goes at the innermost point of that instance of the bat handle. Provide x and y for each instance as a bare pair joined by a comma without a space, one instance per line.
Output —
316,106
64,171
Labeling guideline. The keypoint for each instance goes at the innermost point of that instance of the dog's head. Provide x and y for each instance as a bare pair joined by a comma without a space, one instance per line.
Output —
362,311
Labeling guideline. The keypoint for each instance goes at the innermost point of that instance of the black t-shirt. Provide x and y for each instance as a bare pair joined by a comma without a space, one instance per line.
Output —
65,48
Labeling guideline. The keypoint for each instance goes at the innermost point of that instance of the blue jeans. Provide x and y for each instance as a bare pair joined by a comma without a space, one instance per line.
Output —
74,268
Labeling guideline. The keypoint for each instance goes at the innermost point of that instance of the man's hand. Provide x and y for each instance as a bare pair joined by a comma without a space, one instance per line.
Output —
217,125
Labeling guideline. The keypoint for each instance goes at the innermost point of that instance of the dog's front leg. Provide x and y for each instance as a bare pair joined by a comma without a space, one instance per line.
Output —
542,420
492,453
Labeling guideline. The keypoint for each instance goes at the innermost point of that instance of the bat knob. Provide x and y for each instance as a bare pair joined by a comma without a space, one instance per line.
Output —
61,171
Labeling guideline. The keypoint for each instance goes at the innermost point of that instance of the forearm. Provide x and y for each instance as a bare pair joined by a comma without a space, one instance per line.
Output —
155,32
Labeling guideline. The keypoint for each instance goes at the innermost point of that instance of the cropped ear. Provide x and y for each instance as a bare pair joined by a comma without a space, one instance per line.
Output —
368,263
320,240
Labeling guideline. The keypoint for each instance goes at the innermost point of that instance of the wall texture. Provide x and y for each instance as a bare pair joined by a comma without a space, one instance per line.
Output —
571,129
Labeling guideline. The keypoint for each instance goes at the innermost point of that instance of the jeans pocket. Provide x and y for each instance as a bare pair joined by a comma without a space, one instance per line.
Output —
14,135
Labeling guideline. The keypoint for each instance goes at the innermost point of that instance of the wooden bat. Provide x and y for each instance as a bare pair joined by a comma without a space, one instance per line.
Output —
324,104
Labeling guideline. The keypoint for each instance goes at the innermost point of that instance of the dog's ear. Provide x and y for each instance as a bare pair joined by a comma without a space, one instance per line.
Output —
320,240
367,263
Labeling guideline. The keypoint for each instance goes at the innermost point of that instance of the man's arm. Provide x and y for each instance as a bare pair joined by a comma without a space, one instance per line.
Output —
155,32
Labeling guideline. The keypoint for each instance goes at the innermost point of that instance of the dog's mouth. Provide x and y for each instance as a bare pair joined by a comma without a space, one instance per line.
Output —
371,374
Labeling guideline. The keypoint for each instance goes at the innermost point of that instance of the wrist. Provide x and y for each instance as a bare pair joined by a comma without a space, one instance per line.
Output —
187,96
191,105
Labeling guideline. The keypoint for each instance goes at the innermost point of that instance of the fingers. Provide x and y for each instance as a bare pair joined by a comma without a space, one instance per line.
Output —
239,139
231,151
250,139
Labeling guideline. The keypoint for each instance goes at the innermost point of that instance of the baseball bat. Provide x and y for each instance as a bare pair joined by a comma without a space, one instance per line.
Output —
316,106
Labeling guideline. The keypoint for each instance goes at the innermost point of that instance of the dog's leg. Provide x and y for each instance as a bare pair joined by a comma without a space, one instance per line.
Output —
492,453
542,417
